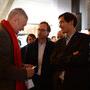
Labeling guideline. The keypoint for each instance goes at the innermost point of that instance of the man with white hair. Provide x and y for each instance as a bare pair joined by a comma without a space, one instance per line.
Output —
12,73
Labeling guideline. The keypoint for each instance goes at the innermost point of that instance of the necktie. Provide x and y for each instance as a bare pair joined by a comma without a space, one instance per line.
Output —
67,40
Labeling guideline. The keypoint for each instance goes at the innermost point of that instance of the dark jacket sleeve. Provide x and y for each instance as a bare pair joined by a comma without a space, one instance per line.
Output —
7,68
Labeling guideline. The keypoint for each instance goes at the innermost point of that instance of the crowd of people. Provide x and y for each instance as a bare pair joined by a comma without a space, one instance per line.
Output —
59,63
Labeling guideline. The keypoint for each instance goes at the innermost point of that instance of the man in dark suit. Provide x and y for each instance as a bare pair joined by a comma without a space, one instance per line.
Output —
12,73
71,55
38,54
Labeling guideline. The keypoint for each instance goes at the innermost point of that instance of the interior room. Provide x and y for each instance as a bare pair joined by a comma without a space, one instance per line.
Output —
47,10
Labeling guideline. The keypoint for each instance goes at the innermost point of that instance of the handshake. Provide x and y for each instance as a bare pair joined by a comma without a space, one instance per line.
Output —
30,70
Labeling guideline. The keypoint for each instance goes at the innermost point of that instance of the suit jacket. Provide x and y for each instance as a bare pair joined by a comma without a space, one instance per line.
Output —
8,71
73,59
24,52
32,58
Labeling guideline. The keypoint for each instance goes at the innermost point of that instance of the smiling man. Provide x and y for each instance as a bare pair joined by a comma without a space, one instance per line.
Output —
38,53
72,56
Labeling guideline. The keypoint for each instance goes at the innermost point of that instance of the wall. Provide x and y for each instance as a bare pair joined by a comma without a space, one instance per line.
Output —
4,7
44,10
84,11
88,16
49,10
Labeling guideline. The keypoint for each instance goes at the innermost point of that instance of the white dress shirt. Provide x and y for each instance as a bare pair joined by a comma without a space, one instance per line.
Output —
41,48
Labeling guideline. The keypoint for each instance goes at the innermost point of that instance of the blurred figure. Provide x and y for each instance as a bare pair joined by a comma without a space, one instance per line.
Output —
60,35
30,39
12,72
53,39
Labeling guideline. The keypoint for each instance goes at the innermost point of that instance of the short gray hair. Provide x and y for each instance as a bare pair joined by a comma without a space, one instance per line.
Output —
17,11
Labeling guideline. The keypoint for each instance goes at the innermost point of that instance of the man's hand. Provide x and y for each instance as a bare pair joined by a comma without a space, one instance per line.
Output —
30,71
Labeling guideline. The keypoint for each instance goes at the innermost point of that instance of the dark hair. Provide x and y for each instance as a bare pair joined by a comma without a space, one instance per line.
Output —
69,17
31,35
48,26
53,37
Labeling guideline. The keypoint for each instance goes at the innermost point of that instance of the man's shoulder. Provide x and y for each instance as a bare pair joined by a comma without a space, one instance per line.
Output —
33,45
85,36
82,34
50,43
60,40
3,31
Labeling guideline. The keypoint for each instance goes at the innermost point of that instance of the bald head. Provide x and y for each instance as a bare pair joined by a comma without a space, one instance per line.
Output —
18,11
17,19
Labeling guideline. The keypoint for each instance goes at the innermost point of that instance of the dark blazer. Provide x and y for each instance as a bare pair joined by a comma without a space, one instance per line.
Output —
8,72
24,52
74,65
32,58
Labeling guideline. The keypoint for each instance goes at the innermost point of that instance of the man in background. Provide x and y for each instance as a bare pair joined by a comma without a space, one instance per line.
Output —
60,34
30,39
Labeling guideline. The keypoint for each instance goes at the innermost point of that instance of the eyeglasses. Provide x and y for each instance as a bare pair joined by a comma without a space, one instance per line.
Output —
42,30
